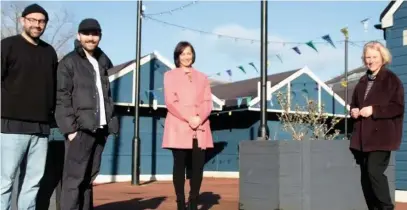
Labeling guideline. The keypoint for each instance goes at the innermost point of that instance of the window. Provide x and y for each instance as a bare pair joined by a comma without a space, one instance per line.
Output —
404,37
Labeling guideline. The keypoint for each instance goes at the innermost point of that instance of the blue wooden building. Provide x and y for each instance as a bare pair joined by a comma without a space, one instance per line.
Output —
394,25
235,117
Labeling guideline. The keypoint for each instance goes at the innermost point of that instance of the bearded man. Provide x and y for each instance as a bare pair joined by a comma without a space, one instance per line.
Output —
84,114
28,67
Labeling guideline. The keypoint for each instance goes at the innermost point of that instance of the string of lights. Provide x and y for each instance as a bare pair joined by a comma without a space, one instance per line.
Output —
171,10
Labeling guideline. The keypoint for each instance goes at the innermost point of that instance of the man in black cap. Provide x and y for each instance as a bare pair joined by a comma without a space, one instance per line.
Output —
84,114
28,67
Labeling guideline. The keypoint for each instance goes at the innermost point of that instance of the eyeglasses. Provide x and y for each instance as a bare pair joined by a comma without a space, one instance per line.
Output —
33,21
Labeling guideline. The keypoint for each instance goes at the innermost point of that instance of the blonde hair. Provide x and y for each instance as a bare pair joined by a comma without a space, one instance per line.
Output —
375,45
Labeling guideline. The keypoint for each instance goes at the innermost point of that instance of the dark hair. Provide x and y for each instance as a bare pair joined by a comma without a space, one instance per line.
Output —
179,49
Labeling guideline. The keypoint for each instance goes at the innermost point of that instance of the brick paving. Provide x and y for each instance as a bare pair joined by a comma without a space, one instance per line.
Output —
216,194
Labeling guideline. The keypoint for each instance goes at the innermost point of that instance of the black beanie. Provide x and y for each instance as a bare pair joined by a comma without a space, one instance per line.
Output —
34,8
89,24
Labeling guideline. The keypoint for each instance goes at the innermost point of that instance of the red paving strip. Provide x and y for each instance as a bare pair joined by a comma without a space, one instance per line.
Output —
216,194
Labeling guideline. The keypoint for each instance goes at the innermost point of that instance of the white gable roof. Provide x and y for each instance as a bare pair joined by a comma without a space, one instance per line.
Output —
387,20
287,80
143,61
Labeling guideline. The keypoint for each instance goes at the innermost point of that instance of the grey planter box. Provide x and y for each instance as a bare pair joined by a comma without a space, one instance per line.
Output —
301,175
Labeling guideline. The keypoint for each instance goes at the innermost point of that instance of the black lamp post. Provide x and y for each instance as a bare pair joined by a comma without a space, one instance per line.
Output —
263,132
135,176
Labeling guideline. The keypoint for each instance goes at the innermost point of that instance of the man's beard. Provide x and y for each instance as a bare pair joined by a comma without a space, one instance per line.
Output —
31,35
88,49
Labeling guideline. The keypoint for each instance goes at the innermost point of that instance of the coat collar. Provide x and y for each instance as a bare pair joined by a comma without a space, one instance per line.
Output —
379,77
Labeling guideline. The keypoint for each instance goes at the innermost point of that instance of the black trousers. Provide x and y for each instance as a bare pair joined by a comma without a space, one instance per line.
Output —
374,182
196,158
82,163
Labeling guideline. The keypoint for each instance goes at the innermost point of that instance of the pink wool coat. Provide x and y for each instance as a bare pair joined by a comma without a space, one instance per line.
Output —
184,99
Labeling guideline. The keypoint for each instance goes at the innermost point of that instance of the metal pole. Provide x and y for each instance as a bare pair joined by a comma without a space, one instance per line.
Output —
263,132
346,82
135,178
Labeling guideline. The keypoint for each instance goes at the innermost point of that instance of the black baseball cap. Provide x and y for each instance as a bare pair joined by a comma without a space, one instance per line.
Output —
89,24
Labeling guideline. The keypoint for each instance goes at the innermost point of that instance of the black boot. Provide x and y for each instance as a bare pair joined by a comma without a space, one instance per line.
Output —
181,205
192,204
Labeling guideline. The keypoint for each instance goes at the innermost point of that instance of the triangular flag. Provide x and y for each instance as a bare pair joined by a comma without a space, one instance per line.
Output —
248,99
239,101
229,72
365,23
328,39
305,91
218,73
153,94
297,50
241,68
344,83
252,64
279,57
293,94
345,32
310,44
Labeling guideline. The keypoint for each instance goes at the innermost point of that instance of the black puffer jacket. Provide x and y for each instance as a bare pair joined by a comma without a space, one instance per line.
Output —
77,104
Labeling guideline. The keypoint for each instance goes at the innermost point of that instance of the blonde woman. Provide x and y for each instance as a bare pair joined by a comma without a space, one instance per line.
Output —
377,109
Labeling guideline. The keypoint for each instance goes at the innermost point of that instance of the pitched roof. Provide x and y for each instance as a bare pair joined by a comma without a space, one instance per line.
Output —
386,17
353,79
121,66
351,74
245,88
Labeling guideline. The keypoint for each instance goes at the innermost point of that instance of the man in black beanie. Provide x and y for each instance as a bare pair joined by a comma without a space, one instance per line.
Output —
28,67
84,114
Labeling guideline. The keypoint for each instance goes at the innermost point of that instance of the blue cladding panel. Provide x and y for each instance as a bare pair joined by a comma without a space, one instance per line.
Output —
303,88
399,66
400,15
152,82
122,88
331,105
274,102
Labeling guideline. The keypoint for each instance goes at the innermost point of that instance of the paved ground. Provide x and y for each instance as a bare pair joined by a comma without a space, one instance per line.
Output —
216,194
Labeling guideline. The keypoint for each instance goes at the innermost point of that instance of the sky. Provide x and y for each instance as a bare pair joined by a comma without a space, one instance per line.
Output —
288,22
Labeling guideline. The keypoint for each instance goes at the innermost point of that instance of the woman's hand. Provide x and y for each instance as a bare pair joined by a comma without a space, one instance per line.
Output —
366,111
194,122
355,112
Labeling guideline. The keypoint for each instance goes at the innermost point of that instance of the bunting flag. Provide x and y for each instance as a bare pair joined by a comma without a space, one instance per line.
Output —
345,32
365,23
252,64
328,39
310,44
279,57
242,69
229,72
240,100
297,50
343,83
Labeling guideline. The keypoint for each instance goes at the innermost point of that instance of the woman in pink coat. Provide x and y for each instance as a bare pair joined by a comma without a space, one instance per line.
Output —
187,130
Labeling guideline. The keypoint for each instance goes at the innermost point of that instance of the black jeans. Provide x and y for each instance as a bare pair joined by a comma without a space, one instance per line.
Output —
82,163
374,182
182,157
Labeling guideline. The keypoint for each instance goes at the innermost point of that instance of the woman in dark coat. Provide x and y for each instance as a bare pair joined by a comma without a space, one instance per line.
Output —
377,109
